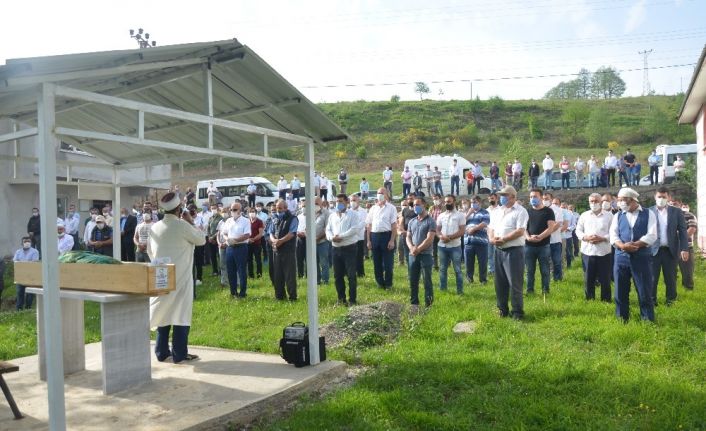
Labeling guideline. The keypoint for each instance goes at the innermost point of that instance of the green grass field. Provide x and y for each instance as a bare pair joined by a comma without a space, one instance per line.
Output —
570,365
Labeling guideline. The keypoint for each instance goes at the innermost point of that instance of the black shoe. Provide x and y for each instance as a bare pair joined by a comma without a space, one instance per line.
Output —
352,303
517,316
502,313
188,358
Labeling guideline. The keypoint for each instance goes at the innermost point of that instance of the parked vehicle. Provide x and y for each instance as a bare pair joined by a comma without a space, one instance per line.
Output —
667,155
444,164
235,188
556,180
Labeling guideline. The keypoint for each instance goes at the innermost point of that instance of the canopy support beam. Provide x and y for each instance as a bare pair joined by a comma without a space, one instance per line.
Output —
312,290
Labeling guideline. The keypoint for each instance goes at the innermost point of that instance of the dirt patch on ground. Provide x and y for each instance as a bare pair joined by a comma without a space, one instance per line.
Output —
365,326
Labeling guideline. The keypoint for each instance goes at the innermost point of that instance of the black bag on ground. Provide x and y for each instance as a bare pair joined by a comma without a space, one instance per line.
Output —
294,345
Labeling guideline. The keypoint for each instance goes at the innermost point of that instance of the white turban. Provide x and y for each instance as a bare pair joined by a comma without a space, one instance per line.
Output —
627,192
59,222
169,201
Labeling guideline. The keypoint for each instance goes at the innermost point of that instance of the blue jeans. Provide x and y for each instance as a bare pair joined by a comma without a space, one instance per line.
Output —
454,255
491,258
548,177
495,184
622,176
626,269
593,179
455,181
555,252
569,244
382,258
532,256
472,251
24,300
180,339
236,264
420,265
438,189
322,267
565,180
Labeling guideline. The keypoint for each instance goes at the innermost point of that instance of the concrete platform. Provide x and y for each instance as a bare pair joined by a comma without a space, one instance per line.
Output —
224,386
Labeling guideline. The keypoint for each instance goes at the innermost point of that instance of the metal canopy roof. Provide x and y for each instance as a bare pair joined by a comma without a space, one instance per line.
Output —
245,89
696,94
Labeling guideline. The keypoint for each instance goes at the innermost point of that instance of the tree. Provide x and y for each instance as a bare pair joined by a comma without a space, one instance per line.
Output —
583,84
606,83
395,98
574,117
599,128
422,88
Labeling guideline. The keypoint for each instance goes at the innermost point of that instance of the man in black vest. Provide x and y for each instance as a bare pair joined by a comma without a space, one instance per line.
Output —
282,234
633,230
671,244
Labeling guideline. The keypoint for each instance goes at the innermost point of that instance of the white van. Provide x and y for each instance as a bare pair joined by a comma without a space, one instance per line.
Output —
668,154
235,188
444,164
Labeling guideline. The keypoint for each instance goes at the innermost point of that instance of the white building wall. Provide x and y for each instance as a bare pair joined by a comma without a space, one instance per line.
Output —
700,128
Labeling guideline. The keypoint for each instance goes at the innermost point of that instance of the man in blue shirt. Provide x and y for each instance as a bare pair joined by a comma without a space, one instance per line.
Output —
653,161
282,232
25,254
475,240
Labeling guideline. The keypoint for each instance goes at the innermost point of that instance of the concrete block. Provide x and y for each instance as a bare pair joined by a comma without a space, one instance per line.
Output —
72,336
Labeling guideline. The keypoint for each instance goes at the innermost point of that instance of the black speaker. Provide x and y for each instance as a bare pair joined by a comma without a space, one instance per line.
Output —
294,345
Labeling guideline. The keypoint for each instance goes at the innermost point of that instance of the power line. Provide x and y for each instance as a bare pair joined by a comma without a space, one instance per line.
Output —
501,78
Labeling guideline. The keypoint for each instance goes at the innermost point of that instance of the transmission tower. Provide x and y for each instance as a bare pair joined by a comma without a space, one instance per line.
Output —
645,72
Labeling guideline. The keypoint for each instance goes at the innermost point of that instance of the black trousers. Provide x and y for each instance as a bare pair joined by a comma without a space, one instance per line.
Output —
251,201
213,251
687,270
127,249
654,175
255,254
284,273
360,258
666,263
198,261
597,268
344,265
301,257
611,177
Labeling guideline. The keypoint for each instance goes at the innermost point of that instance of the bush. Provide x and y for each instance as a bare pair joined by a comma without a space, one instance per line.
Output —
467,135
448,146
613,145
361,152
341,154
495,103
395,98
483,146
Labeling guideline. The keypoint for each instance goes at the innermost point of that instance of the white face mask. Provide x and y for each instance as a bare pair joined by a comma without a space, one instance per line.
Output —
61,234
685,209
381,197
605,205
661,202
26,245
623,206
595,206
354,205
437,202
147,217
547,203
100,225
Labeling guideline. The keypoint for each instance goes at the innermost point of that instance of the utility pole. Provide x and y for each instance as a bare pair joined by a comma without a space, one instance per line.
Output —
645,72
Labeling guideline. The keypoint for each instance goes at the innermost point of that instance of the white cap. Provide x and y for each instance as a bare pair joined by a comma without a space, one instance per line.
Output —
627,192
169,201
60,223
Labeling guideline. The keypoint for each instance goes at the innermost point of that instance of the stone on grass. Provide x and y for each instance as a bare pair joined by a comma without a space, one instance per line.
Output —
465,327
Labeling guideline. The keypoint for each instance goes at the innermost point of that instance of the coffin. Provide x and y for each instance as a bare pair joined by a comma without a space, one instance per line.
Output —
128,277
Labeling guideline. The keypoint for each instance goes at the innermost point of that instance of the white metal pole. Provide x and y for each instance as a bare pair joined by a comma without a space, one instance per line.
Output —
266,149
117,239
208,100
48,144
312,293
16,149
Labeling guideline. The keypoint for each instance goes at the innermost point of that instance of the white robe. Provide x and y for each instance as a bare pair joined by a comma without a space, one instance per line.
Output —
174,238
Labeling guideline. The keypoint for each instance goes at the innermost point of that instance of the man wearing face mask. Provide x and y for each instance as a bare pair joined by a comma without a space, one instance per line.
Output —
455,174
507,233
362,215
476,241
88,229
65,242
323,246
633,230
72,222
283,264
142,237
342,230
533,174
107,216
282,187
25,254
687,267
420,239
540,225
381,226
101,240
593,229
434,212
301,238
405,216
257,231
555,240
671,245
34,230
237,231
450,226
492,207
128,223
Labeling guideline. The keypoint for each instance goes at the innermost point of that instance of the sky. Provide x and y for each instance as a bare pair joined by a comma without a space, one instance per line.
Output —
334,50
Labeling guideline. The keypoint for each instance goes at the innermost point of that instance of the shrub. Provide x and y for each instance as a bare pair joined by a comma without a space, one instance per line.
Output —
483,146
361,152
467,135
395,98
341,154
613,145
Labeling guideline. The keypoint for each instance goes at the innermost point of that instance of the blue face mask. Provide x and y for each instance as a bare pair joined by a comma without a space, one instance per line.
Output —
418,209
340,207
534,202
475,206
280,214
503,200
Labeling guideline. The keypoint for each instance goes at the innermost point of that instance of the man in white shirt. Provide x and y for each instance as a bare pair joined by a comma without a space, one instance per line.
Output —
593,172
611,164
212,191
548,167
362,215
653,162
381,226
633,230
223,247
301,238
429,180
282,187
88,230
593,229
237,232
200,250
556,240
566,236
252,194
342,230
66,242
316,184
296,187
292,204
455,174
406,182
142,237
517,174
387,179
71,223
450,227
579,168
507,233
